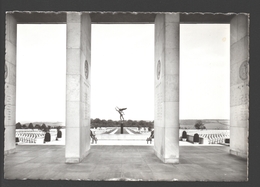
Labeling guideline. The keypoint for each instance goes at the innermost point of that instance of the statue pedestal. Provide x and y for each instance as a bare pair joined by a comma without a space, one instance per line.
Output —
122,128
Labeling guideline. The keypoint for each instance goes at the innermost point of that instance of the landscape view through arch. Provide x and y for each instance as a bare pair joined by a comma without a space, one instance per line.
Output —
122,75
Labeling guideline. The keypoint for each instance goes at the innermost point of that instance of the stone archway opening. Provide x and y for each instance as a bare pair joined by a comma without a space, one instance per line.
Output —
122,75
41,80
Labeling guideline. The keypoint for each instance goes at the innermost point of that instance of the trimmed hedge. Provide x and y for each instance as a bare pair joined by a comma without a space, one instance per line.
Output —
59,134
47,137
184,134
196,138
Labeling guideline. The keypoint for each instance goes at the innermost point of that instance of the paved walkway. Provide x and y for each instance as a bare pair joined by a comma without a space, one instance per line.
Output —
106,162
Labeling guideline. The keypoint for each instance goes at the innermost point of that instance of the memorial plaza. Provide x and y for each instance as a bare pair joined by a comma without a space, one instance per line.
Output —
125,162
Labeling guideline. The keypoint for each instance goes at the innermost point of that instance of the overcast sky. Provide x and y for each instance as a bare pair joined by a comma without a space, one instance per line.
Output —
205,70
122,62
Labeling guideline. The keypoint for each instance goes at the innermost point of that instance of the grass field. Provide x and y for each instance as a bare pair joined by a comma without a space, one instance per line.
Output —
220,124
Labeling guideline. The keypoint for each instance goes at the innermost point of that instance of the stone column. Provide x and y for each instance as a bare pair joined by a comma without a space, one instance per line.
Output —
10,83
239,85
166,81
78,87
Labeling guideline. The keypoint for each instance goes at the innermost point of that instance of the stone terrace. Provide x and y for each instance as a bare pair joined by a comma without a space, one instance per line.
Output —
110,162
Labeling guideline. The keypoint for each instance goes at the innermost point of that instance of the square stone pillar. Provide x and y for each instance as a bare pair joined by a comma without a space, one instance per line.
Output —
166,81
10,83
239,85
78,87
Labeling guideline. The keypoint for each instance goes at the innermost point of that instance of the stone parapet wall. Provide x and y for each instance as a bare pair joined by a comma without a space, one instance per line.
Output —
201,140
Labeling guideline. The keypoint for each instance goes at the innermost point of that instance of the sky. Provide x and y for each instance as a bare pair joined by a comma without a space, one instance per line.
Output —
204,71
41,72
122,62
122,71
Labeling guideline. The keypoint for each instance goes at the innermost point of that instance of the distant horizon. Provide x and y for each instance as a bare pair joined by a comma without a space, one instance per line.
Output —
25,121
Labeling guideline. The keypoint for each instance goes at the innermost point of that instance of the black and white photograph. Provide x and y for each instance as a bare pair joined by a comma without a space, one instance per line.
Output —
126,96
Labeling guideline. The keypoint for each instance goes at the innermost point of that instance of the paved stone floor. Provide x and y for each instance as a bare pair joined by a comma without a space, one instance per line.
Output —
107,162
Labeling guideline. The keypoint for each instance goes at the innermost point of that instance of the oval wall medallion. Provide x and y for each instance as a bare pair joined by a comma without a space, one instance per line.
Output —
6,71
243,71
158,69
86,69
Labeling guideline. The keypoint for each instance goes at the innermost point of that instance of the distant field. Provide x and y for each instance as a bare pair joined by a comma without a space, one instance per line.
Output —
221,124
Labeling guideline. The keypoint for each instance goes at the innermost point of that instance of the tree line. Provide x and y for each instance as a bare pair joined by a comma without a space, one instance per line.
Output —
199,125
128,123
42,127
105,123
94,124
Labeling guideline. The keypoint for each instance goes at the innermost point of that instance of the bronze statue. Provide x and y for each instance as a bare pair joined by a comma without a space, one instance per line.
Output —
120,111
